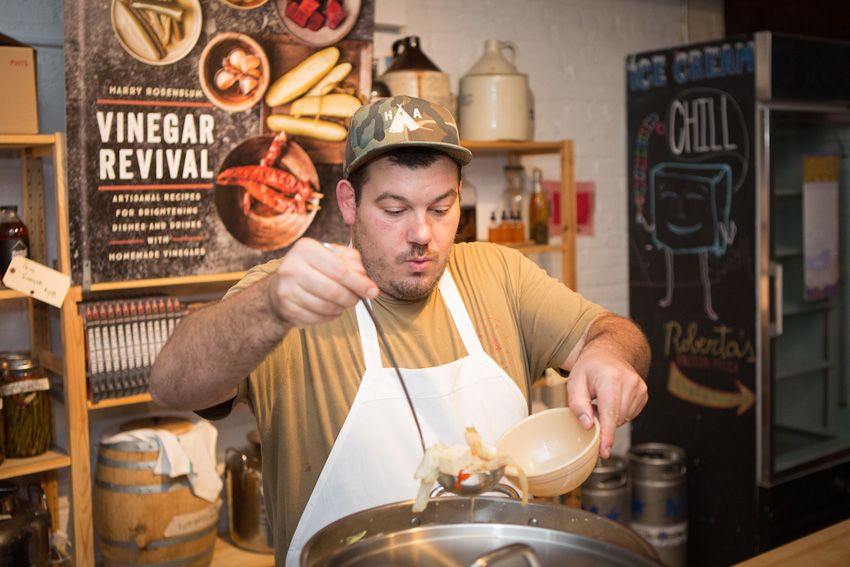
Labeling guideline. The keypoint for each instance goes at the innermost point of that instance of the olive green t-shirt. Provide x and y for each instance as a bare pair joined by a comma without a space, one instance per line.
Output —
301,393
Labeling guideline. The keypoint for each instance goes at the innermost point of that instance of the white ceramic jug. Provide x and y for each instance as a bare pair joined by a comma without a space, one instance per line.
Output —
495,102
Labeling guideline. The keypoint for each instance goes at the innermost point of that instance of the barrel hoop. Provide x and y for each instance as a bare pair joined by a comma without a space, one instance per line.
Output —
125,464
160,543
133,447
178,484
181,562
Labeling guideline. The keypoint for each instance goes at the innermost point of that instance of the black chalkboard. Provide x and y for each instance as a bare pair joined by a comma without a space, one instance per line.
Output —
692,237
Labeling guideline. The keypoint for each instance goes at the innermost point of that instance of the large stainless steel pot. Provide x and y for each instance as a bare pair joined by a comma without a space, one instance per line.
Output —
459,531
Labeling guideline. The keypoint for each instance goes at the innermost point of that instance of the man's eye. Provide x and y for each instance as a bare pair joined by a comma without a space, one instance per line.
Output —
394,212
440,211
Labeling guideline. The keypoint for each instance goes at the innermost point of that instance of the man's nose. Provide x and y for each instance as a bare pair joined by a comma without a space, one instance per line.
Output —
419,231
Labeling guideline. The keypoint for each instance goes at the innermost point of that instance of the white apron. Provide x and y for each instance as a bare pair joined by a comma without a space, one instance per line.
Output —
376,453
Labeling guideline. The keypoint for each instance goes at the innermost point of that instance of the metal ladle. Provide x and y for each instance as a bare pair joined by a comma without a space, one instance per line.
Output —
472,484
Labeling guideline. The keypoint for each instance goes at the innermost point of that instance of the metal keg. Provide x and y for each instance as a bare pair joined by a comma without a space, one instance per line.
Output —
608,491
659,502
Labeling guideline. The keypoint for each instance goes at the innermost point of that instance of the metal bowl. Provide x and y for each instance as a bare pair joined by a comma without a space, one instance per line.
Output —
457,531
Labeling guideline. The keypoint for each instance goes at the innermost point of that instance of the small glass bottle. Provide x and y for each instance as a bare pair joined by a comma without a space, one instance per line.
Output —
538,212
505,228
467,229
515,197
14,237
493,230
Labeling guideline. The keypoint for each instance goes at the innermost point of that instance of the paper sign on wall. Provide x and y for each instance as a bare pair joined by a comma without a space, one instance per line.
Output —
820,226
37,281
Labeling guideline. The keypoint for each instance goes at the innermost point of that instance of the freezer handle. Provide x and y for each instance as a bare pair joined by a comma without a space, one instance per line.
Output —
775,271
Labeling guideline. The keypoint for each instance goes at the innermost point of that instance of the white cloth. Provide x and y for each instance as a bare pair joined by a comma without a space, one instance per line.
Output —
376,453
191,454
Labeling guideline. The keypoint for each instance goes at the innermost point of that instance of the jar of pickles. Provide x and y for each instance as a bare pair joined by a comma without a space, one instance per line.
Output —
26,406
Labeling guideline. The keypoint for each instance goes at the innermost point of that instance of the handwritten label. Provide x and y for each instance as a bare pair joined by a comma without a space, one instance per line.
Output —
194,521
37,281
24,386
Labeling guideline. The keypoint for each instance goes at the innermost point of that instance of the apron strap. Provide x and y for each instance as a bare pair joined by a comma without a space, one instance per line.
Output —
368,338
459,314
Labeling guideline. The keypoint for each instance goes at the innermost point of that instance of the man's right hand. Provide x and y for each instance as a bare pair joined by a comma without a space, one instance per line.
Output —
316,282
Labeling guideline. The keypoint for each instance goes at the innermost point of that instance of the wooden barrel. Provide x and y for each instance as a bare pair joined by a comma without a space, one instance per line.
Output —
142,518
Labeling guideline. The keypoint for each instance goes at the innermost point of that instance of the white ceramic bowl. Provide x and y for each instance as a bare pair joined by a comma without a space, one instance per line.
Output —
555,451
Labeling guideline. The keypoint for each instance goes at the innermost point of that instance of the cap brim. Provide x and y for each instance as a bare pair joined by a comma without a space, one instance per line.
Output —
458,153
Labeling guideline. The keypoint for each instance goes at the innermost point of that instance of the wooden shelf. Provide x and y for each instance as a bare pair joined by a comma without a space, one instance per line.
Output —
22,141
48,461
523,148
7,293
118,402
532,248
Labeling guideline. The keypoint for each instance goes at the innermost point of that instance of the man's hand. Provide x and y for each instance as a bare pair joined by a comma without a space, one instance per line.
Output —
315,283
607,366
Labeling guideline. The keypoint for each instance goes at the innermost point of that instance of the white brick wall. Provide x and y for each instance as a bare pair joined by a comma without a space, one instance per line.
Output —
573,52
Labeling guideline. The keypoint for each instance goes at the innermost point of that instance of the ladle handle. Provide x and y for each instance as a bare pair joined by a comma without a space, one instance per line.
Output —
508,551
388,351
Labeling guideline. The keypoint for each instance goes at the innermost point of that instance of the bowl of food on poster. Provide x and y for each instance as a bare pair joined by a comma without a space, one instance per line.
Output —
314,93
244,4
318,22
267,192
234,71
157,32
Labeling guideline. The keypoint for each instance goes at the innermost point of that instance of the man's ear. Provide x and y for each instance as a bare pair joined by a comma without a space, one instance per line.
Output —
346,201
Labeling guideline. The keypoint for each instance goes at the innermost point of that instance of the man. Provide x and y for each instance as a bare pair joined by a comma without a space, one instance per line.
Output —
472,326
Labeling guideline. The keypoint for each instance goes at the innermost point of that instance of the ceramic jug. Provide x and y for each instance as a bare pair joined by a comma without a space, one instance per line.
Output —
412,73
495,102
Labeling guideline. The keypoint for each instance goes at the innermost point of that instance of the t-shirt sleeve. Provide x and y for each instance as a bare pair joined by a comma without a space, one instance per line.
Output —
552,317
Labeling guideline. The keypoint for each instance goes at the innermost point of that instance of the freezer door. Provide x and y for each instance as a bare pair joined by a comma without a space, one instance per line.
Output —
805,261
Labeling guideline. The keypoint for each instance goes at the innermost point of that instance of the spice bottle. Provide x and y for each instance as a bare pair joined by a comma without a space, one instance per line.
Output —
14,237
538,210
26,407
515,199
493,230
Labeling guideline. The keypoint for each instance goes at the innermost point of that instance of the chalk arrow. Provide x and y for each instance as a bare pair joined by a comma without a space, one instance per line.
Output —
686,389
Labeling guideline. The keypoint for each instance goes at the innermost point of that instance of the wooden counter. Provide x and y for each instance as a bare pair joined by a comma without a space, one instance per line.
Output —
228,555
830,547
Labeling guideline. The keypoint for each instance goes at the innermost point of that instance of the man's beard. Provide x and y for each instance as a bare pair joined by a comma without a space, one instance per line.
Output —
379,269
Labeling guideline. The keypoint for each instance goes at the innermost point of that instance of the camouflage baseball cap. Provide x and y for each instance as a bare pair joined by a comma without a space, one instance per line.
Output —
401,121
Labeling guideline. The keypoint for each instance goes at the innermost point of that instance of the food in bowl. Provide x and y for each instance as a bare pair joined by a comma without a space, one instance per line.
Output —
557,453
278,190
234,71
460,462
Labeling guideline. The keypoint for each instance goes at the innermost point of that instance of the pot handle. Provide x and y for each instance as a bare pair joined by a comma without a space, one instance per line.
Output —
511,46
508,551
500,488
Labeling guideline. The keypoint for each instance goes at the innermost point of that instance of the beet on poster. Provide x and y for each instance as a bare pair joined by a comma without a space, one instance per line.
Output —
206,136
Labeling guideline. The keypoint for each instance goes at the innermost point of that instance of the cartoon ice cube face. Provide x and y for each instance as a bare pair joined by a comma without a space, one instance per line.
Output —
687,205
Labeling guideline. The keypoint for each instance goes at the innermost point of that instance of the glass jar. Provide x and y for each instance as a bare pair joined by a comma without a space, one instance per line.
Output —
14,237
467,228
26,407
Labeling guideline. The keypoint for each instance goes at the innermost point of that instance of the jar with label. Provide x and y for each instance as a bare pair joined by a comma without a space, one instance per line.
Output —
14,237
26,407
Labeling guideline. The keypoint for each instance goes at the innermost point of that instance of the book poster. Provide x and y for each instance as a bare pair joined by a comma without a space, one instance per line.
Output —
206,136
